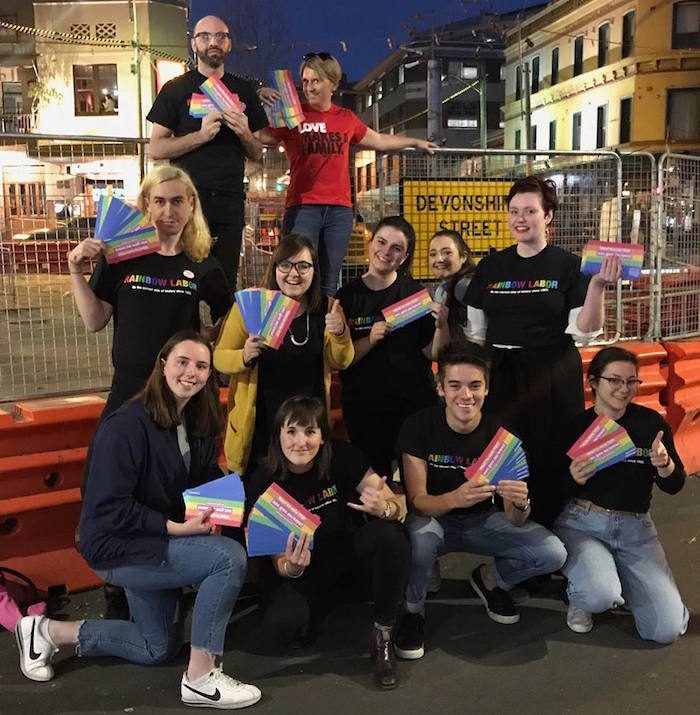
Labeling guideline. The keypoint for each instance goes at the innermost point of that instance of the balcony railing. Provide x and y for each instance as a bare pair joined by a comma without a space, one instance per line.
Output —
16,123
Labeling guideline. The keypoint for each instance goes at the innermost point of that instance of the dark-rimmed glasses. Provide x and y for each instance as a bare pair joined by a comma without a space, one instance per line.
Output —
218,36
617,382
301,267
321,56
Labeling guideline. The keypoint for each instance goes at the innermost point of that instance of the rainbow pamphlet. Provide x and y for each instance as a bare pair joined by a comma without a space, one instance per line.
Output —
604,443
225,495
631,255
200,105
503,458
286,111
268,313
273,517
220,95
124,230
405,311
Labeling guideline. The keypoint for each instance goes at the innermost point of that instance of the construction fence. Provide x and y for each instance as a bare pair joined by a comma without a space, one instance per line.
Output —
50,186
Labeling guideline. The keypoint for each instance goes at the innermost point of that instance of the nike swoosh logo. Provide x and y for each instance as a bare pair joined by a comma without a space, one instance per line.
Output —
33,655
214,697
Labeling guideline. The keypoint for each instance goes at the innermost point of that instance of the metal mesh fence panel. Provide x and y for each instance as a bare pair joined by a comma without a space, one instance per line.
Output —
678,296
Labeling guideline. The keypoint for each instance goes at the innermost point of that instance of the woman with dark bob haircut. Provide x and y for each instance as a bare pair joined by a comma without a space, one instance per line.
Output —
360,535
133,533
614,554
316,343
528,303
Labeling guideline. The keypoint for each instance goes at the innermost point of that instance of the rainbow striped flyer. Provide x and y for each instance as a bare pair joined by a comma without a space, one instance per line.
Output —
503,458
630,254
225,495
267,313
405,311
200,105
124,230
604,443
220,95
286,111
274,516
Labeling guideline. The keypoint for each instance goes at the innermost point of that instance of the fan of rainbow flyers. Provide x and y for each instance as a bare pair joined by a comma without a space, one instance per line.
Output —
124,230
268,313
503,458
225,495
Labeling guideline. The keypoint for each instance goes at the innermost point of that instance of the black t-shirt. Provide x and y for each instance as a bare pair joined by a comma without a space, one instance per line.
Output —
395,369
153,298
291,370
527,300
427,436
217,165
626,485
326,498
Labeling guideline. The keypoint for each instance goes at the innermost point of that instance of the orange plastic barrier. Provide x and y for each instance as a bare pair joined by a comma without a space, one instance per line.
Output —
683,399
652,371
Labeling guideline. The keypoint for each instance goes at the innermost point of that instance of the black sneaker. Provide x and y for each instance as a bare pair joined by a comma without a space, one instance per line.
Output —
410,642
498,602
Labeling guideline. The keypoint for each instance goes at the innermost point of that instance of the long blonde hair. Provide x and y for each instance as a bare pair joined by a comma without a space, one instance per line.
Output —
195,239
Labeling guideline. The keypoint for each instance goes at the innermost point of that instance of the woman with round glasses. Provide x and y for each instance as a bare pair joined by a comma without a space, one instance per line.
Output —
317,342
614,553
319,203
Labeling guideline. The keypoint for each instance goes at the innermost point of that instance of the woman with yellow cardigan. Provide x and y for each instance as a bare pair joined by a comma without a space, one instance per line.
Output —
318,341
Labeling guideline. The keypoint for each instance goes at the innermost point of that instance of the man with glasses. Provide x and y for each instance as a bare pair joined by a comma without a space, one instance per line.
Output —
213,149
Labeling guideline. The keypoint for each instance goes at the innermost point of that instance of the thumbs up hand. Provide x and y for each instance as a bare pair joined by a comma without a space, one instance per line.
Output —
335,319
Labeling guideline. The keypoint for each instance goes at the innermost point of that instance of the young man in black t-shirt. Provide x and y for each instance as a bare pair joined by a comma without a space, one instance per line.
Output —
211,150
449,513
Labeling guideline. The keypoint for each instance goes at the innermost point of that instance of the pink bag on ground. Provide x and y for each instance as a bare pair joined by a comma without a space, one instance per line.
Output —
18,597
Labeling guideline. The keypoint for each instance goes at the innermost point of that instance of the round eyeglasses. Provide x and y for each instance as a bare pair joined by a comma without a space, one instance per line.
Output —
301,267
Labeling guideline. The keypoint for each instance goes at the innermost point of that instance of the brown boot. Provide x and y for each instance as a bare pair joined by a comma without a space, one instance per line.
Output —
381,651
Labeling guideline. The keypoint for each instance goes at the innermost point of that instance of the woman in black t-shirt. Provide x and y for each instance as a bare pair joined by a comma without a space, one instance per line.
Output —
316,343
528,303
359,534
614,552
390,377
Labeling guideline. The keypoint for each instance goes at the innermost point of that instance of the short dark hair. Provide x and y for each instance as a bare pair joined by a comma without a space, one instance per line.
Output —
400,224
604,357
546,188
473,355
289,246
203,414
304,411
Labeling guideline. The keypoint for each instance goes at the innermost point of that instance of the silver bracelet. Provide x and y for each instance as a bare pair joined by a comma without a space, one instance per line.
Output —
286,571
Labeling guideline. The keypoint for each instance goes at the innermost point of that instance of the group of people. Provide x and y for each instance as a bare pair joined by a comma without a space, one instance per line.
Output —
502,333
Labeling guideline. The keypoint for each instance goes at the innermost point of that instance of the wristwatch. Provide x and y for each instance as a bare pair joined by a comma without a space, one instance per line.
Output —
523,508
388,510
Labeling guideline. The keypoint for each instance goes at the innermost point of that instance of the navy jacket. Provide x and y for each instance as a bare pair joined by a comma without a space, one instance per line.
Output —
136,477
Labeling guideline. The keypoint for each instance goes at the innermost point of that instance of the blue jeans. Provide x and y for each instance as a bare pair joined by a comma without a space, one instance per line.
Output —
328,228
216,564
520,552
615,559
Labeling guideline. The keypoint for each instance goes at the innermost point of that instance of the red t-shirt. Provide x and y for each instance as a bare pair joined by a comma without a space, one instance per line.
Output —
319,155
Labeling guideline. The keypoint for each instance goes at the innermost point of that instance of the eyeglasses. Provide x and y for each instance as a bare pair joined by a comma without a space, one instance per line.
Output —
301,267
321,56
617,382
218,36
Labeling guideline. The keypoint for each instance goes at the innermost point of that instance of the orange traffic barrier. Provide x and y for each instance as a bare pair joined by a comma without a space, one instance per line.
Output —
683,399
652,371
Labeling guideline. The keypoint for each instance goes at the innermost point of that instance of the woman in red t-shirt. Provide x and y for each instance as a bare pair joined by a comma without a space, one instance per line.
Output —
319,204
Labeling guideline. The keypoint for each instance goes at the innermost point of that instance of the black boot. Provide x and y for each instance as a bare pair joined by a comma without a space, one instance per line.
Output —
117,607
381,651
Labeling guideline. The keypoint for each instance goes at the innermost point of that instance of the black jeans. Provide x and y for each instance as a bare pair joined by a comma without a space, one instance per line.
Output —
378,553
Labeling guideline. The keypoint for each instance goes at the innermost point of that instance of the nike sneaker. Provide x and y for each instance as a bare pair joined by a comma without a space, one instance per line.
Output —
218,690
35,647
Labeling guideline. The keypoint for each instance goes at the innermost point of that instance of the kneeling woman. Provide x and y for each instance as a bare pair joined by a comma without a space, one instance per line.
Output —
359,533
134,534
614,552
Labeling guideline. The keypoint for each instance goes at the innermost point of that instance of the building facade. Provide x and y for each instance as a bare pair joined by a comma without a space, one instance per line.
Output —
591,74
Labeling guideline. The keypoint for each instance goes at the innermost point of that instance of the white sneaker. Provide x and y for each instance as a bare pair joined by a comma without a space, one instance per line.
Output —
578,620
35,647
218,690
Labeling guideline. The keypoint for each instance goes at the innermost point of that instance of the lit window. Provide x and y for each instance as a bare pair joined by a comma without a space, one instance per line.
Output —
95,89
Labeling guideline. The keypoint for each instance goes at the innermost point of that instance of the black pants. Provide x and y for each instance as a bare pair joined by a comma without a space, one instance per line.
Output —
536,392
378,554
225,214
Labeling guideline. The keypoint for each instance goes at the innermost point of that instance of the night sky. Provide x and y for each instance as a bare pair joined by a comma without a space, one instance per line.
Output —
363,25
